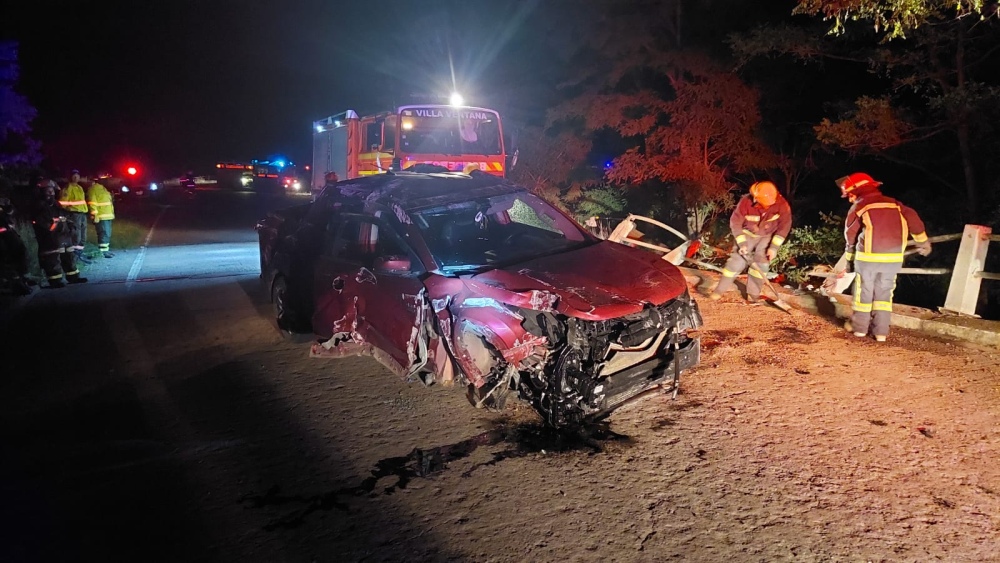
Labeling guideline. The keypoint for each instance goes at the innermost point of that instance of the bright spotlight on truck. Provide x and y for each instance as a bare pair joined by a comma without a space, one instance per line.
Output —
319,128
456,99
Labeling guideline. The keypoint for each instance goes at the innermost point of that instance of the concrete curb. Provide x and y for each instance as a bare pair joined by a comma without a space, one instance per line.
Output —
974,331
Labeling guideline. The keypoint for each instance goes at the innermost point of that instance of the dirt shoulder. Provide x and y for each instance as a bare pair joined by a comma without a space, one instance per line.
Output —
793,440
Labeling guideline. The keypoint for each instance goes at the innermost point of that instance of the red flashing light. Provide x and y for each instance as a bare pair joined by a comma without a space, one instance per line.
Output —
132,170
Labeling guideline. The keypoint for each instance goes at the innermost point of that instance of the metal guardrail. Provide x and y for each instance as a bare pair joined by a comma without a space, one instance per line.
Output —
966,276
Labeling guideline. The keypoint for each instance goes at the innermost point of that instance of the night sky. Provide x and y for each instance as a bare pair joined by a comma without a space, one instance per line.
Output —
183,84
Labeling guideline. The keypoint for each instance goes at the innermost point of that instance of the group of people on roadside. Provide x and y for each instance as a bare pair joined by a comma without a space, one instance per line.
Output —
877,230
59,220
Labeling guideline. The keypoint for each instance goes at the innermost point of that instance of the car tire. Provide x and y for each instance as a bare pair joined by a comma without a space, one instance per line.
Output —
285,318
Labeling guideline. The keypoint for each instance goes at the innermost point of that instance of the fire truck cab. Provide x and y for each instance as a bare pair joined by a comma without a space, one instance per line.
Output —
459,138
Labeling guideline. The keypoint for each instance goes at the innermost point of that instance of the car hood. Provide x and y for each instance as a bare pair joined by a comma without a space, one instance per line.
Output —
600,281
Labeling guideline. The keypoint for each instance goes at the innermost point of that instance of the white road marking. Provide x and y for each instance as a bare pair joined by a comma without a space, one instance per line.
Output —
133,272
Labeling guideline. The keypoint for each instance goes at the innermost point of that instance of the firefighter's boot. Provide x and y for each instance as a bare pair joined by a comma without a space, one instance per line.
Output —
75,278
57,283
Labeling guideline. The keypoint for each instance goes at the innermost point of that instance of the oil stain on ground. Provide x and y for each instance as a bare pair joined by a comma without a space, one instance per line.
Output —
521,440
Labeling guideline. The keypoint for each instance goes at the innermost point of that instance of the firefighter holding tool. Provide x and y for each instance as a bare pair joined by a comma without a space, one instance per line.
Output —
760,224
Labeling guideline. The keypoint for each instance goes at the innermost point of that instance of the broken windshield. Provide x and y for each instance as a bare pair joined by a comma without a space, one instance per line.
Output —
494,232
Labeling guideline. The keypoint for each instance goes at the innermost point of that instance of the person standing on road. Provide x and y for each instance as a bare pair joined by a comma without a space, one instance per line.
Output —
876,229
54,232
13,253
73,201
760,223
102,213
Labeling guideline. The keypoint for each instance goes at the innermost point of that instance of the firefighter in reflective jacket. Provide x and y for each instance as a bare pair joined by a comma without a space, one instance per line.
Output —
55,238
760,223
876,229
73,201
102,213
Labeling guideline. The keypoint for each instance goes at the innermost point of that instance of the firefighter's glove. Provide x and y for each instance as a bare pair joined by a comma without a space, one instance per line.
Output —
772,253
924,248
743,249
97,220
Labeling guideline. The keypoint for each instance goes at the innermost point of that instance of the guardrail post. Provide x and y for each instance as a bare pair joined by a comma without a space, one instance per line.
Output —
963,292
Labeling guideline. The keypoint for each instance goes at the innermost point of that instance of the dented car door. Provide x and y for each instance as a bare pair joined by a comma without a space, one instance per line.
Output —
369,291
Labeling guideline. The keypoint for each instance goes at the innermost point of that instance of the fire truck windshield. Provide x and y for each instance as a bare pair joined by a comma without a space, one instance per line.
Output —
449,131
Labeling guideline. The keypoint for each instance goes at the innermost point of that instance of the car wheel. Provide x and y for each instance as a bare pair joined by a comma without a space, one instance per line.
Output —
284,315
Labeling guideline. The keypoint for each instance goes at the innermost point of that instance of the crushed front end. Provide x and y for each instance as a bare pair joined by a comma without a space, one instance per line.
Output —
587,368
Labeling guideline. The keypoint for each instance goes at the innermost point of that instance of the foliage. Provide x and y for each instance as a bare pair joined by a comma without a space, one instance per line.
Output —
894,18
549,162
937,83
808,247
600,201
687,126
874,126
17,148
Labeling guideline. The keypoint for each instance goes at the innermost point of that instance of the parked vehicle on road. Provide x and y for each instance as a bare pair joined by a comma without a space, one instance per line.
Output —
469,279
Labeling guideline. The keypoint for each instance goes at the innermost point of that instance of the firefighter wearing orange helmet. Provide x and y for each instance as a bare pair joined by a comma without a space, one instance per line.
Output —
760,224
876,229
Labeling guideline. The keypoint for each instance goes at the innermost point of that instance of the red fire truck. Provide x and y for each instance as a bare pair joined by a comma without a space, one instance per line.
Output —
459,138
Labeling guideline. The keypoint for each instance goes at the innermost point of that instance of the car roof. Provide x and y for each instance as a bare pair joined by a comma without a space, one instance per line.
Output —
413,191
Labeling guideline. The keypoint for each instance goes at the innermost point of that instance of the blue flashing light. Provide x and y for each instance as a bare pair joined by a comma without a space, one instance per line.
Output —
608,164
153,187
279,163
124,189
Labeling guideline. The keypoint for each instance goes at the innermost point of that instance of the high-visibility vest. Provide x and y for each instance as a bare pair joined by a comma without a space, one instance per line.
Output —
71,198
100,202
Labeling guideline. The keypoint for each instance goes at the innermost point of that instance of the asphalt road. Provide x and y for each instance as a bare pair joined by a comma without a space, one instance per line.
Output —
106,418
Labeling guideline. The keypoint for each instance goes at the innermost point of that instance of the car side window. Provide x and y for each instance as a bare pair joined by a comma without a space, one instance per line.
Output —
362,240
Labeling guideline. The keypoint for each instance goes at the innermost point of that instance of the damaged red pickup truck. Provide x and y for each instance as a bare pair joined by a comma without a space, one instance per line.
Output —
450,278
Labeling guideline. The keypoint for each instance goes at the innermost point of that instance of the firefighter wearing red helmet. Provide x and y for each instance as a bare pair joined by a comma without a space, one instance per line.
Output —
876,229
760,224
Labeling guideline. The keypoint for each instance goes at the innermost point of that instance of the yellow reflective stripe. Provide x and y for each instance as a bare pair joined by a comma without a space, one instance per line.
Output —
882,306
775,218
753,218
753,272
73,273
73,202
920,237
881,258
857,291
849,256
56,251
108,216
98,203
868,231
878,206
728,273
862,307
55,277
777,240
741,238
